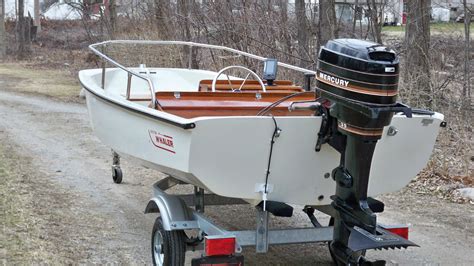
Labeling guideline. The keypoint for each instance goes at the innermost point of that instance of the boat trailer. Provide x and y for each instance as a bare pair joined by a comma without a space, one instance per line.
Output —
170,243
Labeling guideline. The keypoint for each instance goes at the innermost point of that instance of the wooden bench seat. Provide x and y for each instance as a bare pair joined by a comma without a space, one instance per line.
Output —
195,104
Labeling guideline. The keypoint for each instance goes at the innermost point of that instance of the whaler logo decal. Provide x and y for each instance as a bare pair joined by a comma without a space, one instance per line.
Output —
333,80
161,141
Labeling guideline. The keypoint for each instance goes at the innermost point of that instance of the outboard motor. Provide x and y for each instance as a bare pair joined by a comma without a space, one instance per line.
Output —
360,80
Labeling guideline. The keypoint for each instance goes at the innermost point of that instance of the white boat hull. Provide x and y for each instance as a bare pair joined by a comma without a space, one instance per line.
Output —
229,155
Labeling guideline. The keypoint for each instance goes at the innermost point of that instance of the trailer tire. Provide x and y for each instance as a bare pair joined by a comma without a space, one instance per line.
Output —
117,174
167,247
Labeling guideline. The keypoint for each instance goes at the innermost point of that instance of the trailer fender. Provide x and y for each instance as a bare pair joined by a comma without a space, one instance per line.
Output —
173,211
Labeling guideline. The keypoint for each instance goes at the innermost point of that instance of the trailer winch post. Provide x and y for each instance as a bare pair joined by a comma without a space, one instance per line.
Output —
199,199
262,231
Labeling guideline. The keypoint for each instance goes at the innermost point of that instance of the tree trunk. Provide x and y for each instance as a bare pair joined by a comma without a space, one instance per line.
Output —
302,34
375,22
3,35
327,22
355,16
186,35
113,17
162,9
285,22
22,28
417,44
37,16
467,72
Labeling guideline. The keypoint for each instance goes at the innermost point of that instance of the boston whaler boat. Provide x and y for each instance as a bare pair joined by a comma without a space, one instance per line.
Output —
267,142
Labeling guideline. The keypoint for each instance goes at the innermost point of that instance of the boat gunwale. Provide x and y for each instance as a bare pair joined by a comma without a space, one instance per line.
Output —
190,125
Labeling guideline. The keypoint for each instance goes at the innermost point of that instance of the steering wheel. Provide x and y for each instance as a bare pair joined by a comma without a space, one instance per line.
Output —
250,72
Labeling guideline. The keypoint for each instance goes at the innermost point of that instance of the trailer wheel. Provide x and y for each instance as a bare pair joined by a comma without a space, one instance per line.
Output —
336,262
167,247
117,174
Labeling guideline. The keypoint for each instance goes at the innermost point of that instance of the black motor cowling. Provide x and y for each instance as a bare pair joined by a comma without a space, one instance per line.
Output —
361,77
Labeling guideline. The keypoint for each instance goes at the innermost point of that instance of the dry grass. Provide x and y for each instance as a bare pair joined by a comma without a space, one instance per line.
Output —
20,77
42,222
20,238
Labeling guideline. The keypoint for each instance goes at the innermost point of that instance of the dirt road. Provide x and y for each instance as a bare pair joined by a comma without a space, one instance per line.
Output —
59,203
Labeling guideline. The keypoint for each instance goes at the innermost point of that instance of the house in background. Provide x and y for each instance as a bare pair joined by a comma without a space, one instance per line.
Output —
389,11
76,9
394,10
452,7
60,9
11,7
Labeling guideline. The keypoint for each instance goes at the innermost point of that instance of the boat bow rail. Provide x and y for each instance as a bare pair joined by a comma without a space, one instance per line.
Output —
100,50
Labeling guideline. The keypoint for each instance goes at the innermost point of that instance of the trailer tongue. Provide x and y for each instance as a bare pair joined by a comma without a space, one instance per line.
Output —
360,79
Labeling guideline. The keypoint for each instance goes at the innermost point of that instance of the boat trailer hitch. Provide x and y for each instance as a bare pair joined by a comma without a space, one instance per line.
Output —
360,79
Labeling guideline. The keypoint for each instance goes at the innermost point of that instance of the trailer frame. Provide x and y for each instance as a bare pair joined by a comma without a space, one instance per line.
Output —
176,214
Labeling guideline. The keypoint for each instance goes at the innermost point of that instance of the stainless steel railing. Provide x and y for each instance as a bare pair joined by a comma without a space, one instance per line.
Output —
98,49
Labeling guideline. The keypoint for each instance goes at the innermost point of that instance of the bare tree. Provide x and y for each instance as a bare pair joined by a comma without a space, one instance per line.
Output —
3,41
375,19
302,34
466,92
357,15
37,15
184,7
327,22
284,33
22,31
417,43
112,18
162,8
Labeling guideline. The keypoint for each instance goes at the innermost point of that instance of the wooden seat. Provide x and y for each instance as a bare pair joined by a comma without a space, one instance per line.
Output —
195,104
249,85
